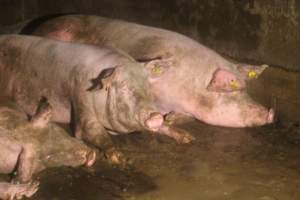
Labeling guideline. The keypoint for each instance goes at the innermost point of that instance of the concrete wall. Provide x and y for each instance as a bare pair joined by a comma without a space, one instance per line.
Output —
262,31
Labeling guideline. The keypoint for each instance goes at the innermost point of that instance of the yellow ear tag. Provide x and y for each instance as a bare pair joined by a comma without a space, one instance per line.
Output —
157,70
252,74
235,85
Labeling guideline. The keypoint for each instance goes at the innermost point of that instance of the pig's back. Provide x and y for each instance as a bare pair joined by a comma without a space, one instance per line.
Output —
32,67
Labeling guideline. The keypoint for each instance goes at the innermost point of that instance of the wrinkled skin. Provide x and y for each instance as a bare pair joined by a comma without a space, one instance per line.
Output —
185,77
27,147
99,90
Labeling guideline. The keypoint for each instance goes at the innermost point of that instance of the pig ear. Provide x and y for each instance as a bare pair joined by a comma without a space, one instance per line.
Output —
97,82
225,81
157,66
251,71
43,113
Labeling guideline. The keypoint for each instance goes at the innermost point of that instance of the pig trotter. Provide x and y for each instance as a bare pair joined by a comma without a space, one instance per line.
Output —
180,135
90,158
115,157
9,191
95,134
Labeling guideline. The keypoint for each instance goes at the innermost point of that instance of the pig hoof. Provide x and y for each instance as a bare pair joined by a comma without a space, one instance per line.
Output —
90,158
115,157
18,191
185,138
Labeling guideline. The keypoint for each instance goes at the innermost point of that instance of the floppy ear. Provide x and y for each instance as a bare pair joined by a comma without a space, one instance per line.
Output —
97,82
251,71
225,81
42,114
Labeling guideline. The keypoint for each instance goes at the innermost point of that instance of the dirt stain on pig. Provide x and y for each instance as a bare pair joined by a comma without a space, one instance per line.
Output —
206,102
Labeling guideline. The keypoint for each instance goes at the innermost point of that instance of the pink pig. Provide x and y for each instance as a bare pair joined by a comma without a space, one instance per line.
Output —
185,76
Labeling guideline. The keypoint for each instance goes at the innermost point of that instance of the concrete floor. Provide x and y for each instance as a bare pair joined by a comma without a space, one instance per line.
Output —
242,164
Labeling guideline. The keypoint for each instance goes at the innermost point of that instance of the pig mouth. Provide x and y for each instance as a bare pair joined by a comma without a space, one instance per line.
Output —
262,118
254,118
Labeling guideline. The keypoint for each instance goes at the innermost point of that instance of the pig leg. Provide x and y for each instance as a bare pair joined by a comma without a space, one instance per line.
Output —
180,135
89,129
9,191
26,164
156,124
177,118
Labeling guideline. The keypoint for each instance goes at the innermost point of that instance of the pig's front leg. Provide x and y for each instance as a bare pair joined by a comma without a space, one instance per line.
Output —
177,118
180,135
156,123
89,129
10,191
26,164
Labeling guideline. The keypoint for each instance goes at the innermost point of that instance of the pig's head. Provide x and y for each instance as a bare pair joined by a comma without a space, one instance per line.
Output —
207,87
129,103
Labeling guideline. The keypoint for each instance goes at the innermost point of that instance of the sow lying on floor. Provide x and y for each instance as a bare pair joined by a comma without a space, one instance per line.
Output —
185,76
99,90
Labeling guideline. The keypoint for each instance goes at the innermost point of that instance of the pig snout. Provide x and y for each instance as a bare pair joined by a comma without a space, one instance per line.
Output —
151,120
237,115
259,116
155,121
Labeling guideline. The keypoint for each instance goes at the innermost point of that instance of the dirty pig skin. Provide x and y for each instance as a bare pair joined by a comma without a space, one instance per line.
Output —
29,146
99,90
185,77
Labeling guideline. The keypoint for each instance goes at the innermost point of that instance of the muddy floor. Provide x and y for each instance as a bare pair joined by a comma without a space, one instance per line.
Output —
261,163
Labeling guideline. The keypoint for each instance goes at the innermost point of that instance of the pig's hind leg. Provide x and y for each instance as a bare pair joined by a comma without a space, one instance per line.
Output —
26,164
10,191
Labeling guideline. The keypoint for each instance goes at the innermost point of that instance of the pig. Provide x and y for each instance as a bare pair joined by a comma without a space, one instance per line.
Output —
30,146
186,78
98,90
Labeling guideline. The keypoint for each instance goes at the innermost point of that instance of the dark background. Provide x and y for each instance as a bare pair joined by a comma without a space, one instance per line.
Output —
262,31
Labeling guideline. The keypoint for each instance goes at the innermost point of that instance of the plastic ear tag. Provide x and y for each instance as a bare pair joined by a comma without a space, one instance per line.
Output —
157,70
235,85
252,74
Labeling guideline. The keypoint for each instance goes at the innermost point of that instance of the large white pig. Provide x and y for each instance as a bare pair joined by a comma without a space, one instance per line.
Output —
185,77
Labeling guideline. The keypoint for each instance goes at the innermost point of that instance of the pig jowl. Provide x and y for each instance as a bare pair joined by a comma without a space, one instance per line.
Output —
185,77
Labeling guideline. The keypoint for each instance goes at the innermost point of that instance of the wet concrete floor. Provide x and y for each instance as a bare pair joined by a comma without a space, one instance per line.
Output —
235,164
